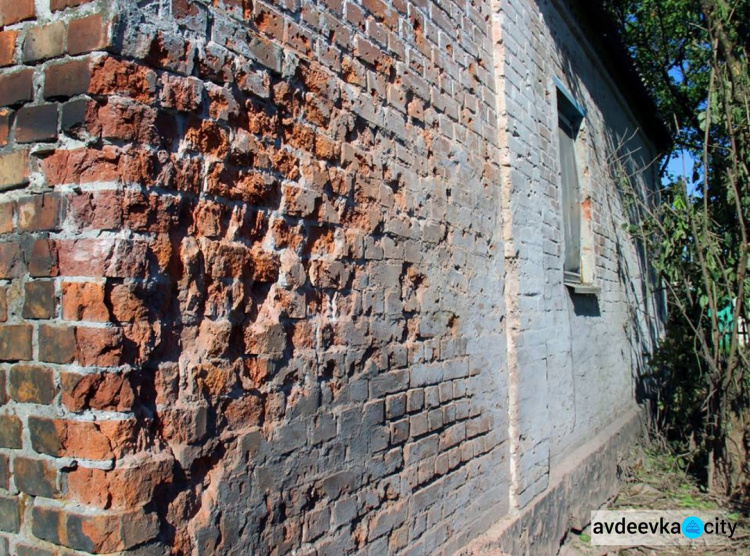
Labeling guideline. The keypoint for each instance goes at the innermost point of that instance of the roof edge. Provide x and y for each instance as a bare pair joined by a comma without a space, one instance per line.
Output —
605,34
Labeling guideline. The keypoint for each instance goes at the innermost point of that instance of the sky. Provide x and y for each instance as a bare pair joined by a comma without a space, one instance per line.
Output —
681,164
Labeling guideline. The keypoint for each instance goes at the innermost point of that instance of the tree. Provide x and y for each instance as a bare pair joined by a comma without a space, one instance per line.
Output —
692,55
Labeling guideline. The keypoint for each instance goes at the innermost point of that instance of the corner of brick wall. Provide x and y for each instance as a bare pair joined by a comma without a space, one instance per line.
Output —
79,460
214,292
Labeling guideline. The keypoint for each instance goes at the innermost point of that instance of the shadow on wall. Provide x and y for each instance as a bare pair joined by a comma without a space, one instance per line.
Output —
585,305
632,175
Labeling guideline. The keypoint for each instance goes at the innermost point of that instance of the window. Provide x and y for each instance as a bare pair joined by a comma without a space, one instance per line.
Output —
569,119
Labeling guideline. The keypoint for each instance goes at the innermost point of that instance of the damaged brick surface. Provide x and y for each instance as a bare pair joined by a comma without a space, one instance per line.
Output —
252,277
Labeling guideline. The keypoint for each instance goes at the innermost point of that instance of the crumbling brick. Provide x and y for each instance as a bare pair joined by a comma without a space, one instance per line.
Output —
255,282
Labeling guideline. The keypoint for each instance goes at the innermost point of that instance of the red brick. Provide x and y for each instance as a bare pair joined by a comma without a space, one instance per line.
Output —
100,210
110,76
15,342
317,80
379,9
10,431
14,170
207,137
240,9
82,166
269,22
137,167
36,123
31,384
171,52
45,438
5,120
39,212
4,472
28,550
3,304
190,14
103,391
11,260
67,79
83,439
336,6
300,136
140,210
94,533
16,87
222,104
298,38
74,114
85,257
184,425
326,148
43,259
60,438
12,11
126,305
368,52
7,47
7,210
181,93
101,347
35,477
39,300
298,202
167,383
10,514
87,34
42,43
84,301
56,5
245,411
129,485
57,344
126,120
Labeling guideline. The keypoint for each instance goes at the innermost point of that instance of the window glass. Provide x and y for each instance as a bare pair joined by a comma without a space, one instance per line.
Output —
569,118
571,198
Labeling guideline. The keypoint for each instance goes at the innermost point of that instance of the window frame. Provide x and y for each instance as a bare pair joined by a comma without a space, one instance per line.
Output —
571,115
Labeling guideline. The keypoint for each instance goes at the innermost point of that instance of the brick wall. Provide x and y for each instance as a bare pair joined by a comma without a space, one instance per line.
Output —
251,291
287,276
574,361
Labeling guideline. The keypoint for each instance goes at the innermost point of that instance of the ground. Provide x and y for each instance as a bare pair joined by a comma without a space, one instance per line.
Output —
657,481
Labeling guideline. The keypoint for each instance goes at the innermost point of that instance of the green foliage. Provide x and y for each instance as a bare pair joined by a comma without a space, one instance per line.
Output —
693,55
686,498
672,53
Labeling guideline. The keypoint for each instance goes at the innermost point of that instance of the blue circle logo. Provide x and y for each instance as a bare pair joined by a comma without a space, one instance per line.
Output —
692,527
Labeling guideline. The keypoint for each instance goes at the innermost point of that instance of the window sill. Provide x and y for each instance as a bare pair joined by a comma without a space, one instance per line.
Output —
582,289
